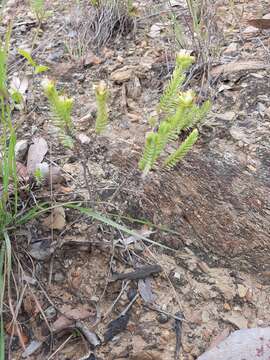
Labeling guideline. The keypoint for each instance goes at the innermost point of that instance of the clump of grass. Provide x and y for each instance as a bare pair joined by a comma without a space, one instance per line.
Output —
96,23
179,113
196,29
11,213
8,176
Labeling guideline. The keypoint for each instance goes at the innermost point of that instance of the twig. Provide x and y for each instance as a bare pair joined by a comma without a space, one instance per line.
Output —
116,300
164,312
140,273
60,347
178,333
90,336
129,305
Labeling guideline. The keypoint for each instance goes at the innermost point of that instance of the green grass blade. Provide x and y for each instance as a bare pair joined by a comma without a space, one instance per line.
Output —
98,216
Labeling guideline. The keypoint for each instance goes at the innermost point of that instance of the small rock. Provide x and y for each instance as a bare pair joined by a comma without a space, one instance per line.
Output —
227,116
250,30
59,277
231,49
162,318
156,30
50,312
235,318
41,250
205,316
21,148
84,139
121,75
242,290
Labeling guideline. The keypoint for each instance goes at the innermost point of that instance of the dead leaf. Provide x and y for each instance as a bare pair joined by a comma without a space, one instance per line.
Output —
20,85
36,154
56,220
12,329
22,171
236,66
262,24
31,348
91,59
69,317
156,30
29,305
144,287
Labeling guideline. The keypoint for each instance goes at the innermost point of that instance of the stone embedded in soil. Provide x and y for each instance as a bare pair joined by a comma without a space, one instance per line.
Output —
84,139
242,290
122,75
248,344
59,277
231,49
236,319
21,148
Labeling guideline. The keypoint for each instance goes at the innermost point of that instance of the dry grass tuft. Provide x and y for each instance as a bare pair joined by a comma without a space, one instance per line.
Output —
92,27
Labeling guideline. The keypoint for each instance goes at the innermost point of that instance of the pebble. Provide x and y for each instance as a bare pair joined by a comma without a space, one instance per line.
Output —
162,318
50,312
21,148
242,290
59,277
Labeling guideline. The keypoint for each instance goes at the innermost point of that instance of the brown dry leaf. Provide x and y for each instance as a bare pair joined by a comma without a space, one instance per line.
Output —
236,66
22,171
145,290
61,323
69,317
65,189
36,154
29,305
56,220
262,24
91,59
12,329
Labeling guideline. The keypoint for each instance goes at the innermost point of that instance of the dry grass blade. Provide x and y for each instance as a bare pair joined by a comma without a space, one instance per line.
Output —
98,216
